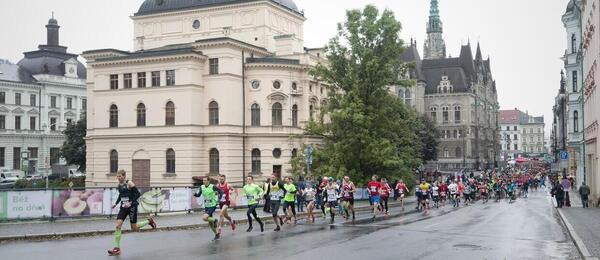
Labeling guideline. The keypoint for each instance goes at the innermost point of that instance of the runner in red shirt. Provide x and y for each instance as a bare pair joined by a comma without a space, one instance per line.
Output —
401,188
225,203
385,195
374,187
443,189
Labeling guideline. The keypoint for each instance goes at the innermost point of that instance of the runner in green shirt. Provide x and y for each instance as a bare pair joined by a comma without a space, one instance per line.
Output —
211,195
288,200
253,193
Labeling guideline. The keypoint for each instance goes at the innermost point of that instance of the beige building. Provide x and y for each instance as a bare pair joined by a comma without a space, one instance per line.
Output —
219,87
591,105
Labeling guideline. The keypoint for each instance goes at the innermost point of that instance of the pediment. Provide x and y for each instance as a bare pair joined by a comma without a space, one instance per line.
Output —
70,114
18,110
33,111
54,113
3,109
277,97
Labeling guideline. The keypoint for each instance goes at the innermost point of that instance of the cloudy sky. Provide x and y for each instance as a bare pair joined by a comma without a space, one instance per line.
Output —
524,38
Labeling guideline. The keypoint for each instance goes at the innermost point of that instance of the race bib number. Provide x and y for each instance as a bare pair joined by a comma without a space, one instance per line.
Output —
250,197
207,202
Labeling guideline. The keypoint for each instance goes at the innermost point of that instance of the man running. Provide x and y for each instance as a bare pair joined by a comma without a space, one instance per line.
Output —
374,186
385,195
211,195
276,191
401,188
225,203
128,196
309,198
454,195
435,194
253,193
289,199
348,190
331,194
425,186
443,188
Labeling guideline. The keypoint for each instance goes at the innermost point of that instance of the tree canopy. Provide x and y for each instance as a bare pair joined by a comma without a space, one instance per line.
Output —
73,149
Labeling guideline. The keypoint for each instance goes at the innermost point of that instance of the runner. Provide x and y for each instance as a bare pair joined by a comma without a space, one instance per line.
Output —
418,195
454,195
425,186
467,193
401,188
374,186
253,193
435,194
128,196
348,190
443,193
289,199
320,197
225,203
276,191
331,191
211,195
385,195
309,198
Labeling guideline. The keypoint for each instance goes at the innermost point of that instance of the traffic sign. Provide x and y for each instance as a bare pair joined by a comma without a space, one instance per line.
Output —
564,155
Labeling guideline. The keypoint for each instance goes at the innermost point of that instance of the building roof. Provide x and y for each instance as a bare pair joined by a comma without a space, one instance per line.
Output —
13,72
411,54
510,117
163,6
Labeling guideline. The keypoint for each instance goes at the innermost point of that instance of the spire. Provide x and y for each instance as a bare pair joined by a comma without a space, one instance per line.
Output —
435,47
52,31
478,55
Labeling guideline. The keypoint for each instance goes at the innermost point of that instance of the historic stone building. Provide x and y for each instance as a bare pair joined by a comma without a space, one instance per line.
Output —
459,95
211,87
39,96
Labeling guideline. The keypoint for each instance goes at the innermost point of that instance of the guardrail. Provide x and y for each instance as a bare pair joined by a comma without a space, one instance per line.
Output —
82,202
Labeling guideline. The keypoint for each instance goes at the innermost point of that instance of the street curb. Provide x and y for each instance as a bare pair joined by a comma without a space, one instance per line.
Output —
57,236
583,251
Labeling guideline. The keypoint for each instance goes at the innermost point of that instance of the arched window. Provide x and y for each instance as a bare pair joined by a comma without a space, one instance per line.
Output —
311,111
446,153
141,114
255,115
213,113
573,43
576,121
400,93
458,152
433,114
213,161
170,113
277,114
445,114
114,116
114,161
295,115
294,153
408,97
170,161
255,161
457,114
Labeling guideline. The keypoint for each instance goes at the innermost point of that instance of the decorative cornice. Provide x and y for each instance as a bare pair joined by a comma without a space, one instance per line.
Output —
157,59
278,65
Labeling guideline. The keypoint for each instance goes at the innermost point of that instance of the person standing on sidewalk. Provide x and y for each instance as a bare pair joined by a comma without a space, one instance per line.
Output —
128,196
566,183
558,194
584,192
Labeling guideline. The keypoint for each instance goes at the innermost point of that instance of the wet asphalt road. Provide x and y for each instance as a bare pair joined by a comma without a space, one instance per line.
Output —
526,229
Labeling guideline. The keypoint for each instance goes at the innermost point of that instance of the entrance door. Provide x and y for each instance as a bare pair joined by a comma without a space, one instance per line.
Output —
141,173
277,171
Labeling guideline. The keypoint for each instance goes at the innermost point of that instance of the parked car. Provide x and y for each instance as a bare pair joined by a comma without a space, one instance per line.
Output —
7,184
8,175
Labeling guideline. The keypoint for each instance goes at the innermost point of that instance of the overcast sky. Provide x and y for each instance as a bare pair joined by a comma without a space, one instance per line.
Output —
524,38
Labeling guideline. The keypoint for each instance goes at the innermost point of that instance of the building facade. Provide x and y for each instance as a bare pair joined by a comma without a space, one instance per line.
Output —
590,25
521,135
211,87
39,96
459,95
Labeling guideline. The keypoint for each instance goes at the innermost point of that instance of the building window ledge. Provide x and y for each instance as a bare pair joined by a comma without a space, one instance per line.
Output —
112,174
169,174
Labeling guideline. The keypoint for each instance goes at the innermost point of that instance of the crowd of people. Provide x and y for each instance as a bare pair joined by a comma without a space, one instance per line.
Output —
332,197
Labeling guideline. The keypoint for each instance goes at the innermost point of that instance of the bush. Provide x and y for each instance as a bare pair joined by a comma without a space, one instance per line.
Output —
78,182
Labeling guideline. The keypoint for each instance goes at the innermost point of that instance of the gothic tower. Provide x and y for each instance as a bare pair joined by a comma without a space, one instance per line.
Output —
435,48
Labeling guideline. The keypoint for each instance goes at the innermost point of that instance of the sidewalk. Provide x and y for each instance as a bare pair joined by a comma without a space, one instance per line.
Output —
583,226
40,230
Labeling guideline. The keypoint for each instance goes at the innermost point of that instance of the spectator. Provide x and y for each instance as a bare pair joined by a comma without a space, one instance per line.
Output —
267,207
558,194
584,192
301,186
566,184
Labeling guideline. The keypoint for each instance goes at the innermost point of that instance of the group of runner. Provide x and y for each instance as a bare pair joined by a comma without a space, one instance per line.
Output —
332,196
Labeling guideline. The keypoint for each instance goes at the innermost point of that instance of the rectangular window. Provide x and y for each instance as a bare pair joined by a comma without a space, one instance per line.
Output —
127,80
170,78
155,78
32,100
575,81
84,104
33,152
2,122
515,137
17,122
114,81
17,98
515,128
516,147
2,156
53,124
457,116
445,116
2,97
32,120
69,103
434,117
54,156
213,66
508,128
53,101
17,158
141,79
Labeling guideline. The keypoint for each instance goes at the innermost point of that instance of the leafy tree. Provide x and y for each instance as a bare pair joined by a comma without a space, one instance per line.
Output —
73,149
369,131
430,138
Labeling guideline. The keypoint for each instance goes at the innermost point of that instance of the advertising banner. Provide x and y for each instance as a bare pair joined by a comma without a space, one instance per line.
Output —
77,202
179,200
28,204
109,198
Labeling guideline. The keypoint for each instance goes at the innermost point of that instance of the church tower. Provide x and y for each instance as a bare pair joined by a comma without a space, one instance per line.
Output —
435,48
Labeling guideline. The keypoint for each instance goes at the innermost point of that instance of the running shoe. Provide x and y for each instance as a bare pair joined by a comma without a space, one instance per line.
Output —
114,252
277,228
152,223
233,225
217,236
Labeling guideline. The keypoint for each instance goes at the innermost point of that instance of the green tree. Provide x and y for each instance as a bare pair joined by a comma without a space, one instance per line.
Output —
369,131
430,138
73,149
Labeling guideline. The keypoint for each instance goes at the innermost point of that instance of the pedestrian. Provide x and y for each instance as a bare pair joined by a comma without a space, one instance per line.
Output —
584,192
267,207
300,185
566,186
558,194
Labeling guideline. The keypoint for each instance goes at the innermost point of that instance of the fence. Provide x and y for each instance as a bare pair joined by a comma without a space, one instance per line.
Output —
64,203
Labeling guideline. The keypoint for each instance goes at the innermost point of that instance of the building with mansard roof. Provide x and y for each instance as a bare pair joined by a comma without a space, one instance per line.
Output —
210,87
459,95
39,96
